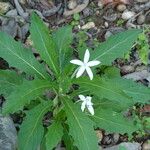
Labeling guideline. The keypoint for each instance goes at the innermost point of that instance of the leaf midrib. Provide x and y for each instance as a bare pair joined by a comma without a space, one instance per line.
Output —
46,49
123,41
78,124
36,123
100,87
23,60
35,90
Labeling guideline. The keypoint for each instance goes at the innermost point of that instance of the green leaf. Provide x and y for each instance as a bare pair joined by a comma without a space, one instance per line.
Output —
24,93
63,38
43,42
137,91
80,127
112,121
54,135
105,88
8,81
32,131
68,140
116,46
20,57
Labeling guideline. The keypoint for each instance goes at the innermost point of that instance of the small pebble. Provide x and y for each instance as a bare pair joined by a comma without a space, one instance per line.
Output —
23,2
72,4
88,25
106,24
12,13
141,19
86,12
146,146
100,4
126,69
116,137
141,1
99,135
4,7
107,35
121,7
126,15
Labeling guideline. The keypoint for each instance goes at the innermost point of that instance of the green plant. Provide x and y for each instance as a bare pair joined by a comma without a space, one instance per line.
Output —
143,47
105,96
76,19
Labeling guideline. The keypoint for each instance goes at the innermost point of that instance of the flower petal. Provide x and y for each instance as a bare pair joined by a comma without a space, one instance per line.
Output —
83,106
91,109
86,56
82,97
80,71
93,63
76,62
89,72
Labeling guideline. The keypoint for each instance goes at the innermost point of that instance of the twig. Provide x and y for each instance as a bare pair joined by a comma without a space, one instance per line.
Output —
78,9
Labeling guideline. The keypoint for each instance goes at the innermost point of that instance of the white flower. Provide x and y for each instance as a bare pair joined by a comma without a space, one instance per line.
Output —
85,65
86,102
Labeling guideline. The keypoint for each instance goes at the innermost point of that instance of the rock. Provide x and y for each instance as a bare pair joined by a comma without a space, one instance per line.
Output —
125,145
146,146
87,12
106,24
111,16
10,26
100,4
126,15
141,1
23,2
126,69
115,138
24,30
72,4
8,134
107,35
121,7
12,13
4,7
99,135
88,25
136,76
141,19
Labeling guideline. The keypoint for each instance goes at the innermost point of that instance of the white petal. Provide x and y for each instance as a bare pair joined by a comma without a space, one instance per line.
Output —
89,98
82,97
89,72
80,71
93,63
83,106
86,56
76,62
91,110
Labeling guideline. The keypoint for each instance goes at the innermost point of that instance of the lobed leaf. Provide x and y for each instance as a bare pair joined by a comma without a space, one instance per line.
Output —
80,127
113,122
63,38
105,88
20,57
24,93
54,135
44,43
115,47
32,131
137,91
8,81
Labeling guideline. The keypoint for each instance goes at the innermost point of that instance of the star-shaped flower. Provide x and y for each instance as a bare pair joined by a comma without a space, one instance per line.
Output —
85,65
86,102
